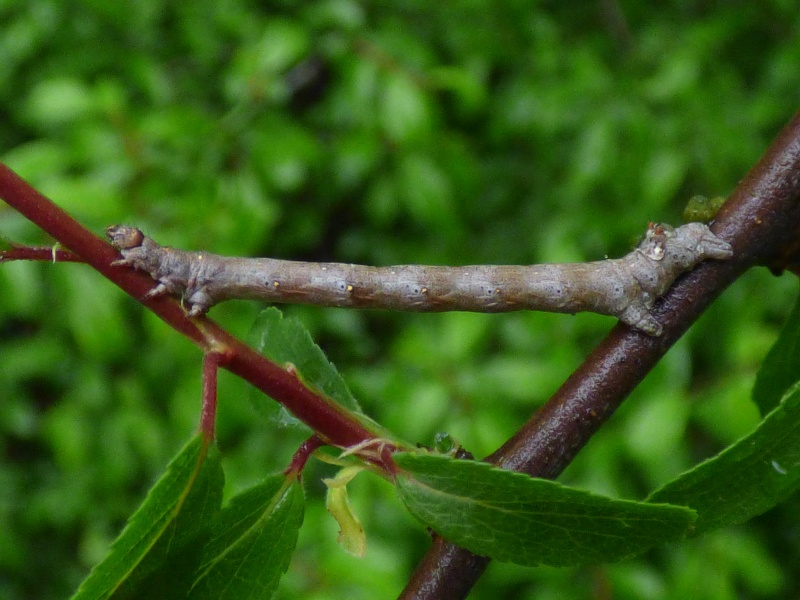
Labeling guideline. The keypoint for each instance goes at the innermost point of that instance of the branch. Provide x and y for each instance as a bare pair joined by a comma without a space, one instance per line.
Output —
760,220
334,424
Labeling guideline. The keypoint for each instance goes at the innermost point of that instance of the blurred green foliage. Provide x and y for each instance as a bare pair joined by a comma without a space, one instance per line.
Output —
474,132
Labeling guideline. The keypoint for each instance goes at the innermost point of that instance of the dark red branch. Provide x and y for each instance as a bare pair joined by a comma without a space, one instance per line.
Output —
760,220
331,422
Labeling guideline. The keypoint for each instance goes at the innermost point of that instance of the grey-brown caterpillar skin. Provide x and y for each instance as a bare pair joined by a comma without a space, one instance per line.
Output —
625,288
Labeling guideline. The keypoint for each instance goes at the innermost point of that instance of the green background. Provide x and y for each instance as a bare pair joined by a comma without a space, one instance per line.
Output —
385,132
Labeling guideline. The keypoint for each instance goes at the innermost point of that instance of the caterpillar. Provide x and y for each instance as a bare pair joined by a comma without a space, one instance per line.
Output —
625,288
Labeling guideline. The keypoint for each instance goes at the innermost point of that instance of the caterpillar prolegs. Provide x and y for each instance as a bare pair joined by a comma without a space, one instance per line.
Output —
625,287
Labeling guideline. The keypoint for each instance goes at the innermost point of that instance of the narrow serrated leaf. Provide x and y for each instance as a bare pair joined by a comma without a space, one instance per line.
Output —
252,542
287,342
512,517
748,478
781,367
161,547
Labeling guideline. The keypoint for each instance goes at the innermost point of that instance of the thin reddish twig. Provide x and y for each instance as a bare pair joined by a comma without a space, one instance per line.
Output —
40,253
304,452
212,360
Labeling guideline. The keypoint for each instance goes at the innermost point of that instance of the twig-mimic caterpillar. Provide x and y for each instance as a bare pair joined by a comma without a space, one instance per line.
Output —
625,288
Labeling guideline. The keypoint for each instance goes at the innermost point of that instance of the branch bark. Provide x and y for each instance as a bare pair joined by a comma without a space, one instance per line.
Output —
761,219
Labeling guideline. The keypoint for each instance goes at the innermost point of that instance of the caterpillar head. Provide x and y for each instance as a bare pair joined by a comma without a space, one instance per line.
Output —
123,237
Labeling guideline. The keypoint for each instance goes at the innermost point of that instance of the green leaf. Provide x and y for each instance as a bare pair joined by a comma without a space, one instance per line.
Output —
467,88
284,154
58,101
405,109
252,542
512,517
287,342
781,367
426,190
748,478
160,548
663,174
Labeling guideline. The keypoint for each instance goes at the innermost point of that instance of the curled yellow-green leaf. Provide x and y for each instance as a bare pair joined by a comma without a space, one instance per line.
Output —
351,533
